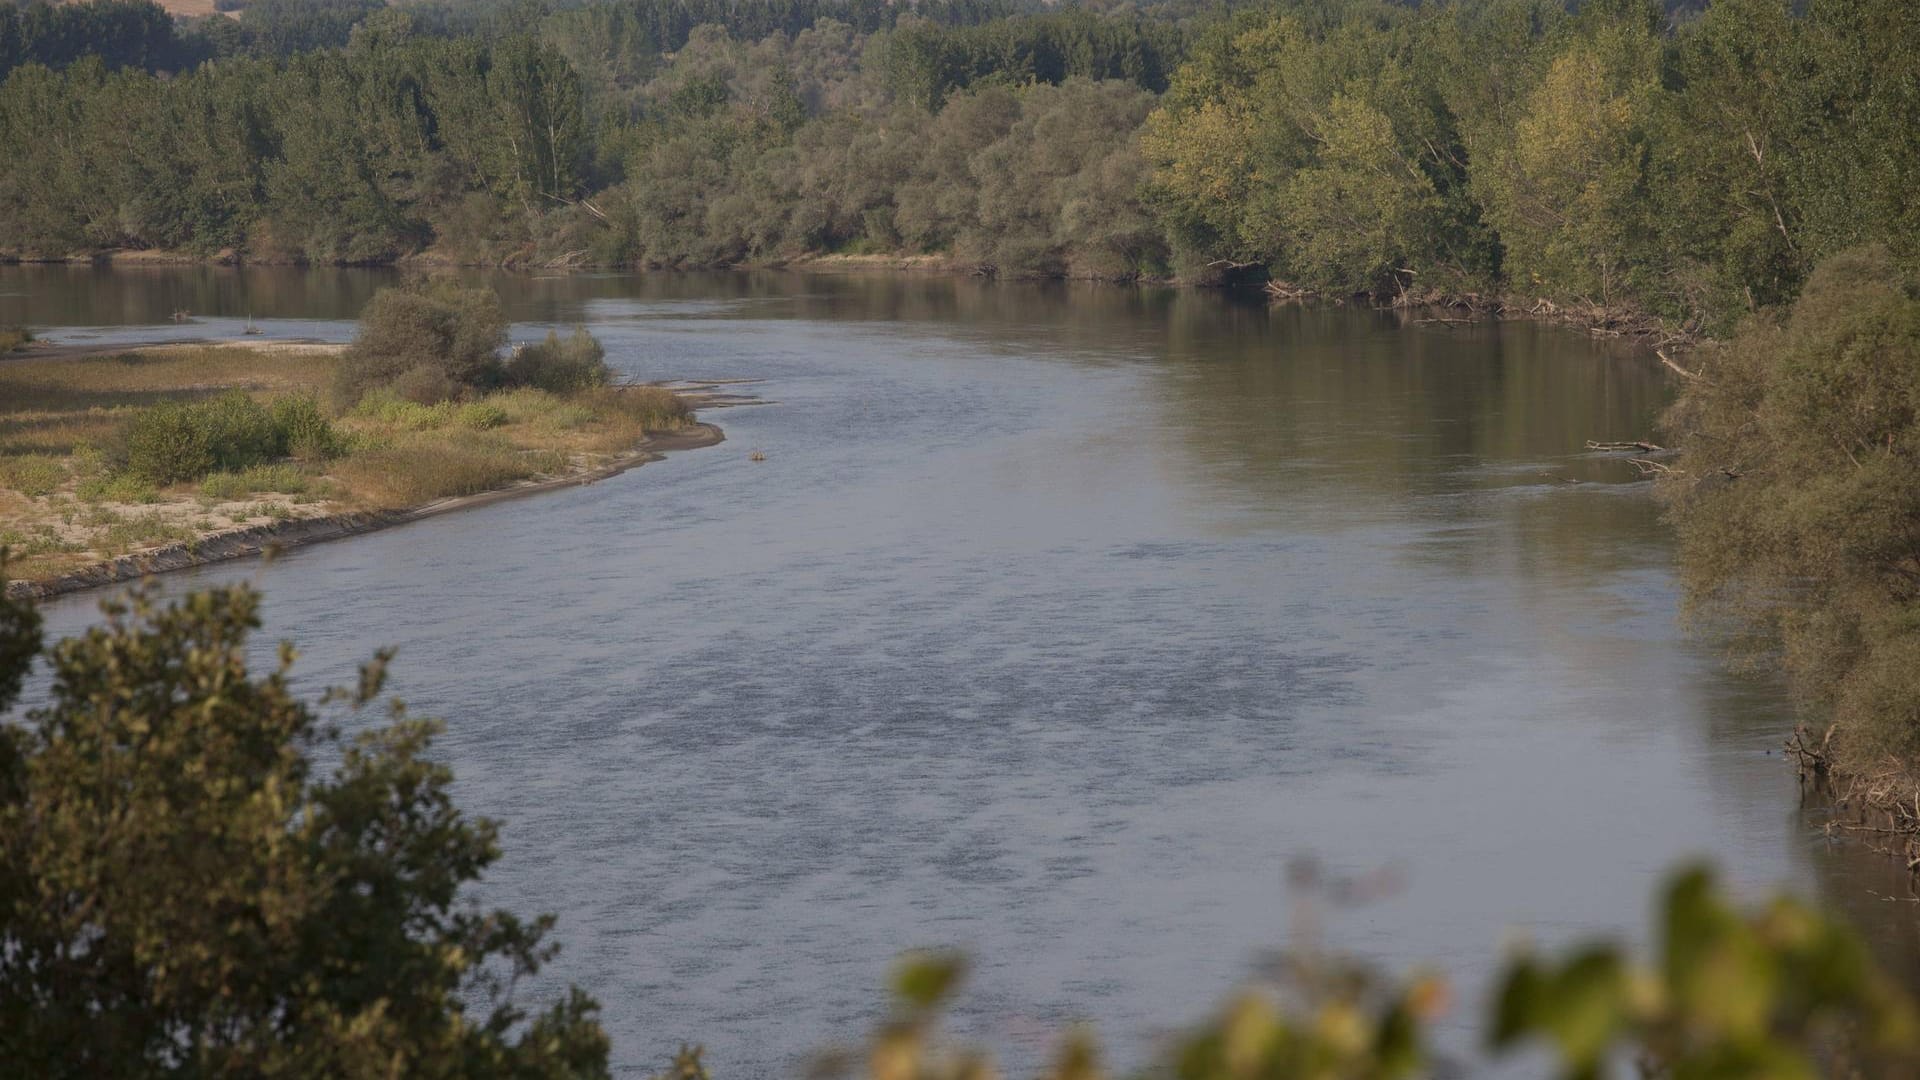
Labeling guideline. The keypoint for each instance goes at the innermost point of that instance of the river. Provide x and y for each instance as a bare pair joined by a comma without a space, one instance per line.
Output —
1056,621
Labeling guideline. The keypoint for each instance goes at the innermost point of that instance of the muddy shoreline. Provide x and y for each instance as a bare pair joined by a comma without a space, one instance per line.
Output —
257,540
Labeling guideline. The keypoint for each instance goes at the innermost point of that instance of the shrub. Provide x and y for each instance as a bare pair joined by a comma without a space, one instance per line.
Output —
560,365
168,443
32,474
203,874
1797,501
282,478
116,487
425,386
480,415
12,337
240,430
304,429
437,335
390,408
172,441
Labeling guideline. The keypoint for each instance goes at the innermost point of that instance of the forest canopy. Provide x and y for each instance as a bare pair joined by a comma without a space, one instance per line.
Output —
1691,164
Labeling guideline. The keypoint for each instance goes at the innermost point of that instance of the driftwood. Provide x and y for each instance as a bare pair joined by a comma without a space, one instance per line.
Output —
1668,360
1619,447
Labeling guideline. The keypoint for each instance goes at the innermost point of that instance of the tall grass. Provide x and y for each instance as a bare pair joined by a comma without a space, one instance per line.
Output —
417,469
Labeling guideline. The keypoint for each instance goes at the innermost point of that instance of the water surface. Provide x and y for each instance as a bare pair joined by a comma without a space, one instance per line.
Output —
1055,622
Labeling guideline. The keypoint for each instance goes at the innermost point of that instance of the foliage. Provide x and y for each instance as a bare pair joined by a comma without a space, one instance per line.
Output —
304,430
1693,164
119,33
1796,499
1778,992
175,441
32,474
183,893
559,365
428,339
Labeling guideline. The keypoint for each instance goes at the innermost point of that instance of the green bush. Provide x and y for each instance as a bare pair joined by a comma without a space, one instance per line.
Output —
169,443
304,428
173,441
560,365
480,415
437,337
201,873
389,407
282,478
121,487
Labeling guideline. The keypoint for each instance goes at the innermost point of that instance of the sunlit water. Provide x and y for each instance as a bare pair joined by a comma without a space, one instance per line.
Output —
1054,624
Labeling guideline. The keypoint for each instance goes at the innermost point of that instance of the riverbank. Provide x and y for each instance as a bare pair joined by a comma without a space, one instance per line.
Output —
77,512
1422,307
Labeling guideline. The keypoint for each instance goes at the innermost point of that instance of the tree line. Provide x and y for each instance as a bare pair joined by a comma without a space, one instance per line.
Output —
1690,164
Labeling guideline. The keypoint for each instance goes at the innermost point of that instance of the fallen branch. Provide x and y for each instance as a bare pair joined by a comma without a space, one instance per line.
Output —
1668,360
1617,447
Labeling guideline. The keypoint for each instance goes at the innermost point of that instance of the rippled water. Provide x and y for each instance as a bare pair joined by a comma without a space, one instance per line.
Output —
1055,622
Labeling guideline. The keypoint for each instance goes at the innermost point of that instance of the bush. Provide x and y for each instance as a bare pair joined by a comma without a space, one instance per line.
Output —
304,428
1797,496
560,365
480,415
168,443
281,478
388,407
173,441
32,474
438,336
116,487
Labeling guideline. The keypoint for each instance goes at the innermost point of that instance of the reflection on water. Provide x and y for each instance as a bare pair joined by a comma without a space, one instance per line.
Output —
1057,619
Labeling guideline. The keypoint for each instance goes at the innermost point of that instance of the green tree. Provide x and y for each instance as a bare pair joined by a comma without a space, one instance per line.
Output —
183,893
1722,158
1565,199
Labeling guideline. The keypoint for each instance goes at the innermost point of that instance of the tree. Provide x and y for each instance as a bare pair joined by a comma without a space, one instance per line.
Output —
1796,500
431,338
181,893
1566,202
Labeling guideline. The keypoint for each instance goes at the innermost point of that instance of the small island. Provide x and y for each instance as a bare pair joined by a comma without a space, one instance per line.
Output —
114,466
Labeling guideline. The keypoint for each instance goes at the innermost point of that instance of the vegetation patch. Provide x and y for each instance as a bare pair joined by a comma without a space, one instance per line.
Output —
1797,498
104,456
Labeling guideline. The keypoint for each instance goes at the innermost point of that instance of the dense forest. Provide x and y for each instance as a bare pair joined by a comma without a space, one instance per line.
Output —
1693,164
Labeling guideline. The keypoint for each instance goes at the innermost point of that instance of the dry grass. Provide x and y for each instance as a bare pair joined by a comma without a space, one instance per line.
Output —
420,468
64,503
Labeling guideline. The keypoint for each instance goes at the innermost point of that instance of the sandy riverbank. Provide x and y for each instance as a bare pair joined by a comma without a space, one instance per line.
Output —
77,520
225,545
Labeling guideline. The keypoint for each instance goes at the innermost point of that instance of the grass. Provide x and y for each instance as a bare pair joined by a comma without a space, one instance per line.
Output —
68,496
409,472
279,478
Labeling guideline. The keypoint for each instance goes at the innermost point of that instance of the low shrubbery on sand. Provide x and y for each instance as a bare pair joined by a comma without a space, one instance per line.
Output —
100,456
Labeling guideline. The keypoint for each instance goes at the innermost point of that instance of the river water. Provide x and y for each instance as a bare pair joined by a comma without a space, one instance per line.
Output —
1056,621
